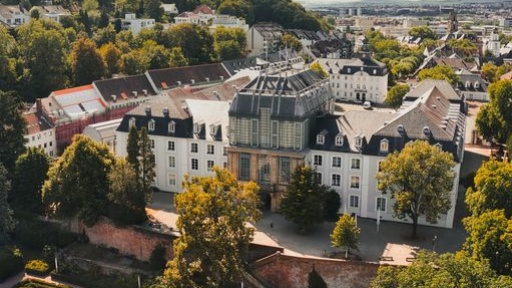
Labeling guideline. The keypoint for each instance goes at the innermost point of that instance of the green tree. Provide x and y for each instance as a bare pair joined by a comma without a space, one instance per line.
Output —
86,62
440,72
176,58
29,175
12,129
132,149
315,280
7,222
7,61
105,35
112,58
432,270
420,179
239,8
488,71
494,120
229,43
35,13
213,232
153,10
490,239
332,204
466,46
135,62
157,54
129,202
194,41
493,189
90,5
146,163
423,32
345,234
42,48
316,67
77,183
396,95
303,202
290,41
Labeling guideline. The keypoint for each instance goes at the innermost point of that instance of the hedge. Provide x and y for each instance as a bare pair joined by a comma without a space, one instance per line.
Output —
37,267
89,281
36,234
11,263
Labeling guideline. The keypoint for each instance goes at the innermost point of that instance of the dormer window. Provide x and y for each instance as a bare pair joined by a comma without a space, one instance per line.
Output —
339,140
384,146
213,129
171,127
132,122
400,129
477,85
348,70
320,139
151,125
468,84
197,128
426,131
359,142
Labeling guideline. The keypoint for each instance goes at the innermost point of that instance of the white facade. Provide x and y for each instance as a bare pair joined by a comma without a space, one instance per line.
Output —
104,132
493,45
229,21
505,22
13,16
263,38
44,140
131,22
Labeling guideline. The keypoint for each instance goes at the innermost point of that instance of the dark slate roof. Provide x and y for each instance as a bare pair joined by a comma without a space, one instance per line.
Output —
233,66
352,66
304,34
124,87
288,96
425,86
433,116
169,77
471,82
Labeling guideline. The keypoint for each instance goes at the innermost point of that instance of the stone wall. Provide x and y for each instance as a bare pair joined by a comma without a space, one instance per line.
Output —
284,271
129,240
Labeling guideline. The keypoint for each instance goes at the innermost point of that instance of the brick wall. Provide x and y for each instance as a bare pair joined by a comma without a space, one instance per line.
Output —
129,240
283,271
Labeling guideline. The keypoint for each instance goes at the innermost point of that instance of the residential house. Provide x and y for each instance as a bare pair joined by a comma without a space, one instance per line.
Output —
104,132
264,38
131,22
169,9
13,16
40,131
472,86
53,12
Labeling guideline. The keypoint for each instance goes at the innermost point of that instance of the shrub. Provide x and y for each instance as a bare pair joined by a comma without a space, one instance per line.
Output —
11,262
332,204
37,267
158,260
37,234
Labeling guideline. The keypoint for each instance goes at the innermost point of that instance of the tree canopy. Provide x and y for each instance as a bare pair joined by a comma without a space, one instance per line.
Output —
345,234
86,62
214,235
12,129
423,32
420,179
439,72
7,222
396,95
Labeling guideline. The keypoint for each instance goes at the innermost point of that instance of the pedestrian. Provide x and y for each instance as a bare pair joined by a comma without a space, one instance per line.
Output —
271,224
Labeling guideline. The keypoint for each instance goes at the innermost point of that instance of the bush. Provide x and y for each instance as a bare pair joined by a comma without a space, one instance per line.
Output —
37,267
37,234
11,262
332,204
158,260
84,279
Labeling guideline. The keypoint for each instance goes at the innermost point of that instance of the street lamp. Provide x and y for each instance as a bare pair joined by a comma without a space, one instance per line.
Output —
434,243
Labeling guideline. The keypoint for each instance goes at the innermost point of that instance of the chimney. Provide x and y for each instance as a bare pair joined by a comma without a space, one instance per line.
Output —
207,79
135,94
39,106
145,91
192,81
114,98
179,83
148,111
221,77
165,111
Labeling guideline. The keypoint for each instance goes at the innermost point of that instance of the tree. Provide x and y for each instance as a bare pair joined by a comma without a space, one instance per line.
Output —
492,190
490,238
90,5
239,8
132,149
77,183
290,41
423,32
332,204
105,35
315,280
420,179
135,62
29,175
213,232
112,58
153,10
176,58
86,62
194,41
396,95
7,61
229,43
12,129
493,121
466,46
432,270
7,222
345,234
157,54
35,13
303,202
129,202
146,163
315,66
42,47
440,72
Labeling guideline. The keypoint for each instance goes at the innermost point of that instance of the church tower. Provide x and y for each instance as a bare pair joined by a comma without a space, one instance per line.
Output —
453,24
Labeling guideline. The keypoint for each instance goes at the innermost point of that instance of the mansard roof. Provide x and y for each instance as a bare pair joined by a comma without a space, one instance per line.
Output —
172,77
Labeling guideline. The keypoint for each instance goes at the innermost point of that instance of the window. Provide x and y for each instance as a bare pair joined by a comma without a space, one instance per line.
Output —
45,145
284,169
151,125
359,142
339,140
197,128
336,161
354,182
355,164
209,165
152,143
317,160
132,122
225,165
171,179
336,180
51,143
210,149
170,145
195,164
193,147
318,177
264,168
254,132
384,146
245,166
225,151
275,134
171,127
320,139
172,162
379,166
381,204
354,201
